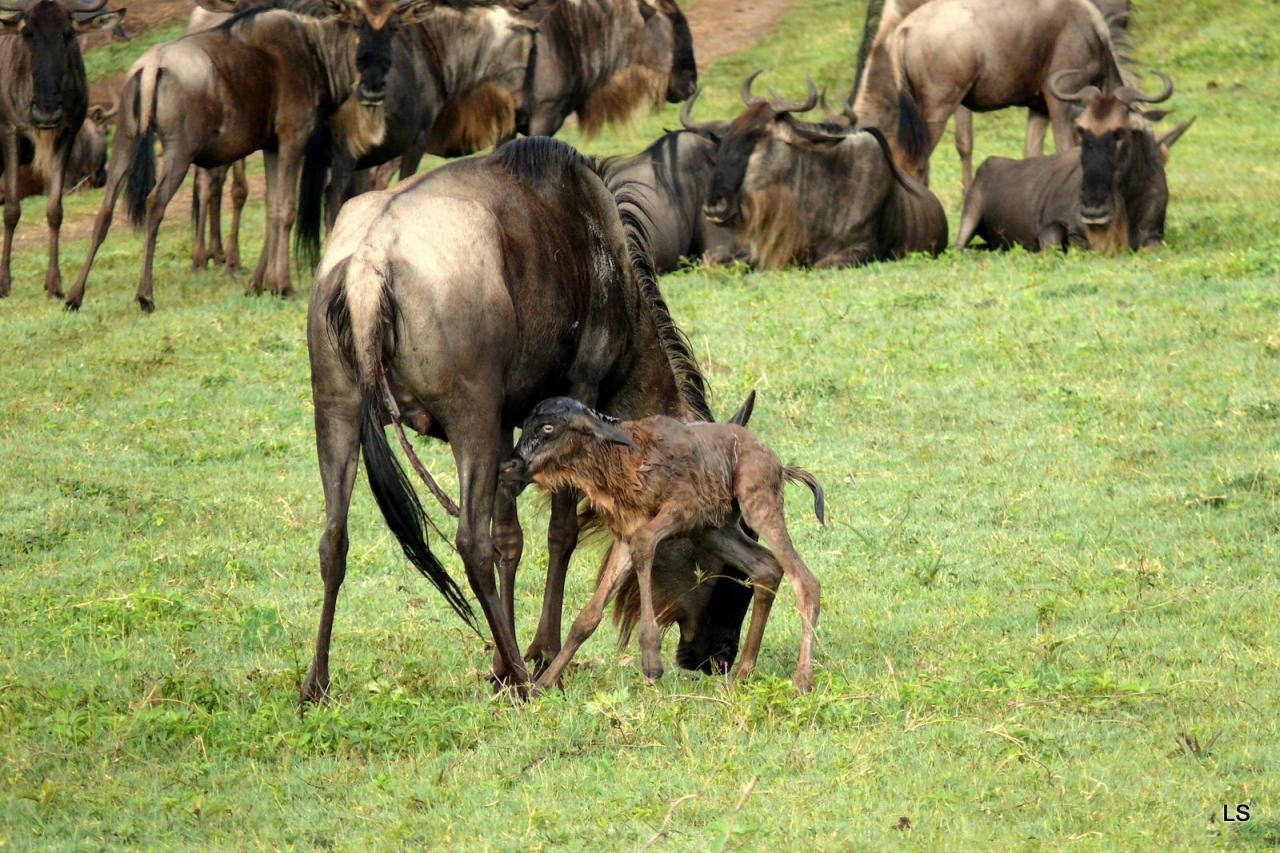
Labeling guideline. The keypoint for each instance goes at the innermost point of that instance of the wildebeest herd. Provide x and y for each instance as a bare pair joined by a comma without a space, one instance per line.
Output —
519,288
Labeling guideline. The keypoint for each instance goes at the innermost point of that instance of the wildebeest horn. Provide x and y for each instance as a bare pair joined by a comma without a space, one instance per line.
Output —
1134,95
748,98
686,115
1078,97
103,113
781,105
834,117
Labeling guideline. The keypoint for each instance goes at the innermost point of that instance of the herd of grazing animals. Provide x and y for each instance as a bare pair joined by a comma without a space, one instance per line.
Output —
519,289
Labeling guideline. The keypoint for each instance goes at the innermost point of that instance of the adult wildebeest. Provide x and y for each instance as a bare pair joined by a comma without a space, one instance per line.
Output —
454,85
875,64
43,102
815,194
1108,194
667,185
603,58
87,164
983,55
457,301
263,81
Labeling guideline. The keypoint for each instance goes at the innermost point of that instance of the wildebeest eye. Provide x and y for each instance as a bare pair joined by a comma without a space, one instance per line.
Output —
547,429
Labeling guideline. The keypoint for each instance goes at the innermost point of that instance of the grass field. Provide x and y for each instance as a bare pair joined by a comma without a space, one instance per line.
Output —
1050,568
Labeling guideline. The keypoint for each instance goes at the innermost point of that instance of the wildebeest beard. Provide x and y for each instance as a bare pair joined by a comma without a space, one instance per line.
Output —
773,227
483,117
620,95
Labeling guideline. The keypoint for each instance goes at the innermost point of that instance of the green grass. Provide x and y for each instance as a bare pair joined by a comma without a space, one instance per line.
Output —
1049,571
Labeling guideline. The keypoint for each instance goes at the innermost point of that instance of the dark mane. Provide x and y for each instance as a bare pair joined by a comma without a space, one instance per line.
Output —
535,159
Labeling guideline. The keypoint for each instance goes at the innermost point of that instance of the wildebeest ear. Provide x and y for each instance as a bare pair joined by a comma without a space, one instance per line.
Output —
601,429
104,20
647,11
1154,116
743,414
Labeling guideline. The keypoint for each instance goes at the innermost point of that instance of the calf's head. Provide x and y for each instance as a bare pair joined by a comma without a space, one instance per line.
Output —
554,435
48,30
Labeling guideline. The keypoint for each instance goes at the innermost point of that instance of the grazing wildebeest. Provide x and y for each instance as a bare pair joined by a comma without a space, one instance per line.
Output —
455,302
983,55
603,58
455,82
657,477
1108,194
87,164
816,194
43,102
670,181
262,81
876,64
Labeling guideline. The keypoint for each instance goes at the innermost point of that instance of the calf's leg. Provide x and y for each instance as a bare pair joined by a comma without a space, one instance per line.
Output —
616,567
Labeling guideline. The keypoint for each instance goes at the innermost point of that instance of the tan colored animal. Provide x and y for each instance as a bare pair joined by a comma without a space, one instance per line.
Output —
655,478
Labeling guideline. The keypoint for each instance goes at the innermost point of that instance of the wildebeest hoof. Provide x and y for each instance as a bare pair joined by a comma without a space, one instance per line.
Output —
803,683
72,305
287,293
147,304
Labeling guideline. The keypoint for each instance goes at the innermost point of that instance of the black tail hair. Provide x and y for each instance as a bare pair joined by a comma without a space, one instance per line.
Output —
316,161
400,506
142,165
799,475
913,133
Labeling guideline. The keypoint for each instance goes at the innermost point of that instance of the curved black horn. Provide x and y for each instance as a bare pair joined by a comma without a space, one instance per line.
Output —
1134,95
833,117
782,105
686,115
1083,94
748,98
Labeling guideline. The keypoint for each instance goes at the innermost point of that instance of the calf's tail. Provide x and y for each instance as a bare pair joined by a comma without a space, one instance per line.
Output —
799,475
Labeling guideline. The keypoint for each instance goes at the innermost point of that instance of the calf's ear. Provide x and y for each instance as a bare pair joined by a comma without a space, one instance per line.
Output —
602,430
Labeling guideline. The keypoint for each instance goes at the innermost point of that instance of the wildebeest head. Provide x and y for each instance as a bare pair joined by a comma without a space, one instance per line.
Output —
752,157
666,23
376,22
89,153
555,433
1105,131
49,30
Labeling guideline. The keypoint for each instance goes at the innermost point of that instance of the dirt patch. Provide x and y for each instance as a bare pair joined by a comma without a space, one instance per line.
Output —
720,28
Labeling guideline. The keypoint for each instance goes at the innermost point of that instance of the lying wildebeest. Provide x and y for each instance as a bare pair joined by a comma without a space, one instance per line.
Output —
984,55
87,164
814,194
263,81
1108,194
455,82
454,303
43,102
603,58
876,77
654,478
670,180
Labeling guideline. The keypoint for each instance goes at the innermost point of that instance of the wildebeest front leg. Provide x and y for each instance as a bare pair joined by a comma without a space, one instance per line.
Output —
239,195
337,444
616,566
643,546
508,540
173,168
1037,127
12,207
116,174
562,538
476,451
964,143
269,167
53,217
286,205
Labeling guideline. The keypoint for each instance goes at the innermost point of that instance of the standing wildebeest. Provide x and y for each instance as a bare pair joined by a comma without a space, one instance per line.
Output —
263,81
88,161
43,102
875,69
984,55
603,58
1108,194
458,300
667,185
455,83
656,477
814,194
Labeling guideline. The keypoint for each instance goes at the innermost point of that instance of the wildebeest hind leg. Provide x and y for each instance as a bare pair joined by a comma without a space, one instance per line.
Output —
239,195
53,216
733,547
964,143
508,540
476,451
172,170
116,174
337,444
12,207
269,163
643,546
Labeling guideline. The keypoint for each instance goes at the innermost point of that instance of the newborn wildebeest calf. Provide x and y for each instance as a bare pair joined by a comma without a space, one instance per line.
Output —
658,477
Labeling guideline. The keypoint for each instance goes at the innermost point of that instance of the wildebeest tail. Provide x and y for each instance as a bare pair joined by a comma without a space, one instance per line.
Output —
912,131
142,160
360,336
799,475
315,170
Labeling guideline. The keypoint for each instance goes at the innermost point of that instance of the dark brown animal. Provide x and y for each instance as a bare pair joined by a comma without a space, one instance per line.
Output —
1109,194
602,59
43,102
655,478
983,55
454,303
87,165
263,81
876,64
819,195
